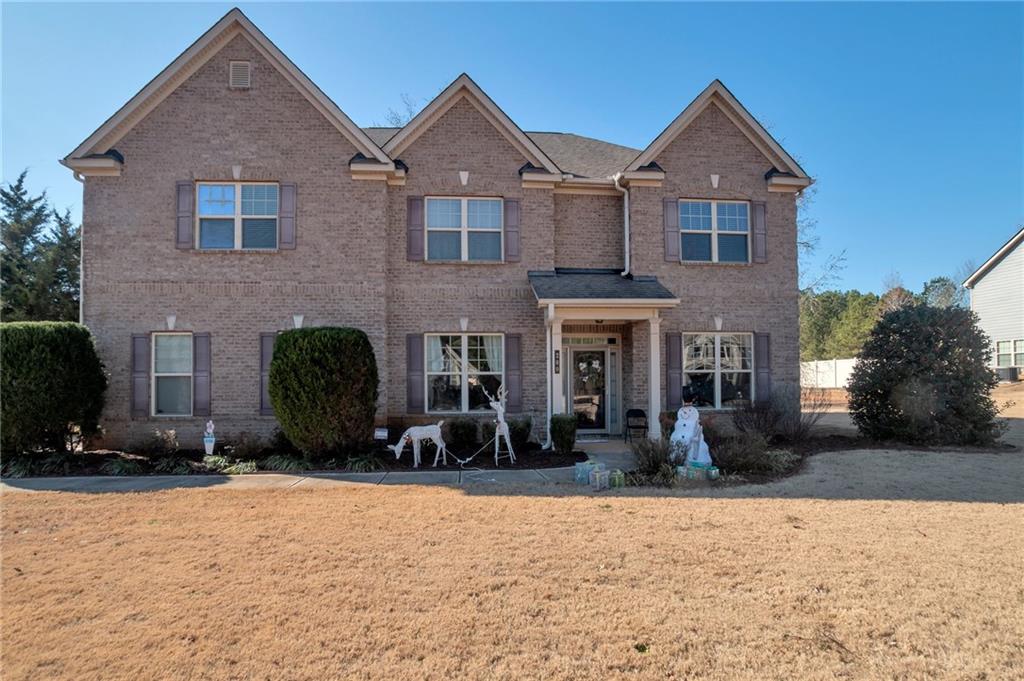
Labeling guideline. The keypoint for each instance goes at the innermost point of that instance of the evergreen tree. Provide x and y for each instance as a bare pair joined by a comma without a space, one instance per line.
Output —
58,268
854,325
23,219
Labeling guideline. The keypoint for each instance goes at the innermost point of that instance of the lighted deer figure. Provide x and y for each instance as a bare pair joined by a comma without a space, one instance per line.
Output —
418,434
500,426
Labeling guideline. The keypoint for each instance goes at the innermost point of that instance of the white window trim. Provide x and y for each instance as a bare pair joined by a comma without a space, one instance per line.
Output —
464,229
718,364
427,373
714,231
237,217
1012,354
153,374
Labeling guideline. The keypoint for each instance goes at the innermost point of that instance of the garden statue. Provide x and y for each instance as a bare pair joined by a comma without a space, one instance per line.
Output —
418,434
208,439
687,437
500,426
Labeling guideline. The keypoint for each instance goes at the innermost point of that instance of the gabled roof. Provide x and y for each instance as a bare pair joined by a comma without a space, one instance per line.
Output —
464,87
717,94
579,284
233,23
1003,251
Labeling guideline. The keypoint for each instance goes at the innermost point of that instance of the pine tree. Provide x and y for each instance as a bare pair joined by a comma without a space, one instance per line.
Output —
23,219
58,268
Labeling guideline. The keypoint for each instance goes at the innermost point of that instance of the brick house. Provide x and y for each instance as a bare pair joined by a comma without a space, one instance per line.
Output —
231,199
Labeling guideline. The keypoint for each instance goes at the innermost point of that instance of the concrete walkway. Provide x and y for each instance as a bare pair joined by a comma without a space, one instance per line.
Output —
614,454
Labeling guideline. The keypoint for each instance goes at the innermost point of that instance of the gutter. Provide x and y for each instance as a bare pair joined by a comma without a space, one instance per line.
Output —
625,219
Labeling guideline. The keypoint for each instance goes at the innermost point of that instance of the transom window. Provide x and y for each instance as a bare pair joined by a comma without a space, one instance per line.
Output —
172,374
237,216
714,231
460,367
719,368
1010,353
464,229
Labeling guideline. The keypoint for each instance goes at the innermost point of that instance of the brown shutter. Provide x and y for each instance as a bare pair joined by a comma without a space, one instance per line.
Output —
183,231
762,367
286,216
414,228
512,244
759,232
414,373
201,374
140,375
513,372
674,370
672,234
266,355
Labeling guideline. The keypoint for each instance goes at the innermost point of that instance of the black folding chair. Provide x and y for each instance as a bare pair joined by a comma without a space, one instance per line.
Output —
636,419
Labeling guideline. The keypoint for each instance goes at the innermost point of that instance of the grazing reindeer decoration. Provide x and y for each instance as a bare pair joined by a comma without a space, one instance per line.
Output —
418,434
500,427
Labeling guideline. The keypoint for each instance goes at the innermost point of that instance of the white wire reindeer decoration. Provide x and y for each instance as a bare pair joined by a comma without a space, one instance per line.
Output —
418,434
500,426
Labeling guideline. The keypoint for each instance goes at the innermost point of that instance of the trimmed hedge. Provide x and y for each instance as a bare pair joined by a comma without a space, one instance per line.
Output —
563,432
323,386
53,385
923,377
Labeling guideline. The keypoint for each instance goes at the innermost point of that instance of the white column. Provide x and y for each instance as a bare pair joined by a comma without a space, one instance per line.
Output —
558,365
654,380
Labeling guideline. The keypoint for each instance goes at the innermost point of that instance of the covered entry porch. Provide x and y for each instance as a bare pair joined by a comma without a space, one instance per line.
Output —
603,340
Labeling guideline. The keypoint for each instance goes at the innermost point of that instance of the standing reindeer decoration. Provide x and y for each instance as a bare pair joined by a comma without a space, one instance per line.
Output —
418,434
500,426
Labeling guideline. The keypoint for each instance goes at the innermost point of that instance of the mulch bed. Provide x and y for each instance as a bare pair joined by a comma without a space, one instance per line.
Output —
530,457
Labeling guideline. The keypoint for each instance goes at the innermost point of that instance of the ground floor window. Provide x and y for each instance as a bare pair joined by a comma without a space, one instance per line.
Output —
719,368
460,367
1010,353
172,374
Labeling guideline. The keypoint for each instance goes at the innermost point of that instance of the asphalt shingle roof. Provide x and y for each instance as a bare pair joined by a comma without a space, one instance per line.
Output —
571,283
581,156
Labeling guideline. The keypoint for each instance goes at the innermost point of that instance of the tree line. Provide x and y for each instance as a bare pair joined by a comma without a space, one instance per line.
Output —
40,257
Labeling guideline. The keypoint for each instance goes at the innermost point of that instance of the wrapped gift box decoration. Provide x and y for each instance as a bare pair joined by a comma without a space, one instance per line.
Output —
616,478
680,471
581,471
713,473
599,479
694,473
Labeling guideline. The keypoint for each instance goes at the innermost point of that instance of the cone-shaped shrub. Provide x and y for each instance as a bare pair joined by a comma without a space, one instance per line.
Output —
923,377
323,386
52,385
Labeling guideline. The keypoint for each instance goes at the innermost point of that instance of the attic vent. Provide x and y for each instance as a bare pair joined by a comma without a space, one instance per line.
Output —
239,75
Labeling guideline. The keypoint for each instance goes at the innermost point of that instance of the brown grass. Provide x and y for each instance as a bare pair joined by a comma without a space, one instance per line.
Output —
402,583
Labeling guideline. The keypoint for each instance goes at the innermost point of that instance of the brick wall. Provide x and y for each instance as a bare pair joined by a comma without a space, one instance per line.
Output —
588,231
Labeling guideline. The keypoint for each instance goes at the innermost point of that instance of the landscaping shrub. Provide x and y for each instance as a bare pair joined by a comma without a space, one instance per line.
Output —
519,431
120,466
652,456
323,385
800,410
461,433
280,443
761,418
285,463
563,433
247,446
53,385
366,462
159,443
714,435
748,453
923,377
171,465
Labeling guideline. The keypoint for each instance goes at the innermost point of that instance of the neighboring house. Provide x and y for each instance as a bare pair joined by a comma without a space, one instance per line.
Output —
231,199
997,296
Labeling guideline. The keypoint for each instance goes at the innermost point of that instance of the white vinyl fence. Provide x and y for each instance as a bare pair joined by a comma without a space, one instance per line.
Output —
826,373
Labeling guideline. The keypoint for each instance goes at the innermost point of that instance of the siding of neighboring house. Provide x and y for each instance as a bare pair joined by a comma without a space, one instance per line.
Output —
998,299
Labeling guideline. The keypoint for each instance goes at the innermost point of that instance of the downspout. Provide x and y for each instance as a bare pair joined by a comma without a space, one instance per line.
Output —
625,218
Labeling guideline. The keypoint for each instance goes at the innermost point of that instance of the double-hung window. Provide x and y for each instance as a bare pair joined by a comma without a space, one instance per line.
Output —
172,374
237,216
719,368
714,231
460,368
466,229
1010,353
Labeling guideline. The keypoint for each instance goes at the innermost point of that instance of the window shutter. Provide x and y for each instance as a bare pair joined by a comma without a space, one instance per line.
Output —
286,217
266,355
414,387
763,367
140,375
513,372
760,231
201,374
512,246
674,370
672,235
183,230
414,228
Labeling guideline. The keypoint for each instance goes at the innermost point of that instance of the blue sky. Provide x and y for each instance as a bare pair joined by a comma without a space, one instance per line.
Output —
909,116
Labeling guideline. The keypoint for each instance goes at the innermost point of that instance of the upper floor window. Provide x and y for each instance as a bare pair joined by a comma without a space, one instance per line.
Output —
464,229
714,231
172,374
240,215
462,369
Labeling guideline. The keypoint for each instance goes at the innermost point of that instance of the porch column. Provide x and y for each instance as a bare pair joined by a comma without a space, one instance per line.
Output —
557,367
654,380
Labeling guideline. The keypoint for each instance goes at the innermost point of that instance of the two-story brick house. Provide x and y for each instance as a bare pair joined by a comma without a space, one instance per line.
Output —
231,199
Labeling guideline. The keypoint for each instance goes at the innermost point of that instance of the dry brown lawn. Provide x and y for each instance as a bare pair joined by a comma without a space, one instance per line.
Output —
415,582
